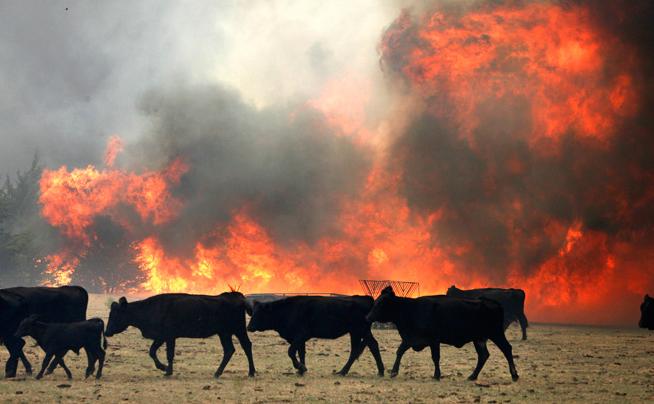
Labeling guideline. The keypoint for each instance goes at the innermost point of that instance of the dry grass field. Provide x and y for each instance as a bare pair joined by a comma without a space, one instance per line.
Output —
557,364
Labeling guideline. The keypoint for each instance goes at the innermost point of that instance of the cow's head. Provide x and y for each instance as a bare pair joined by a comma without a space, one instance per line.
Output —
26,327
262,317
647,313
383,308
118,318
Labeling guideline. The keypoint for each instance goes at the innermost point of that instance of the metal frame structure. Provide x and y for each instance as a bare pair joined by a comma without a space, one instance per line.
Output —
401,288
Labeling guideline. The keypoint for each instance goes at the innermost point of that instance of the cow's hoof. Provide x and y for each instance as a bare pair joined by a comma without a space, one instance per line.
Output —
28,372
341,373
472,378
301,370
515,377
217,375
39,377
393,373
380,374
162,367
168,374
436,377
251,374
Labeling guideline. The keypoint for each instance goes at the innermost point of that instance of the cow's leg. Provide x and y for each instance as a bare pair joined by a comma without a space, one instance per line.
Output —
170,356
228,351
23,359
482,356
302,353
247,347
15,347
371,342
507,350
60,359
398,357
523,325
44,365
436,358
100,354
356,346
90,358
292,353
153,354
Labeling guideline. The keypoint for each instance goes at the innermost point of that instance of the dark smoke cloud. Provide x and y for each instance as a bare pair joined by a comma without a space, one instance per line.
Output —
284,165
70,73
605,188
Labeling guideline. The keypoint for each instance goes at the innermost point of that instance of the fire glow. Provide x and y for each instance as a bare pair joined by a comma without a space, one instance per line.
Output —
463,66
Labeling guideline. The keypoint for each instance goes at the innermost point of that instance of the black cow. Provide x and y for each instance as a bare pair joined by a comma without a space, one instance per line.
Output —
56,339
166,317
300,318
60,305
647,313
433,320
512,301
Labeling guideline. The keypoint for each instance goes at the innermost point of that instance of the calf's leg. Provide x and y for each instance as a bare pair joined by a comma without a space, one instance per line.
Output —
228,351
153,354
398,357
371,342
100,354
507,350
436,358
482,356
44,364
90,358
247,347
52,367
170,356
60,359
26,363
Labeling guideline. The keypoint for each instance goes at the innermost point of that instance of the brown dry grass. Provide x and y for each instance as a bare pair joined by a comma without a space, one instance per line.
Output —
557,364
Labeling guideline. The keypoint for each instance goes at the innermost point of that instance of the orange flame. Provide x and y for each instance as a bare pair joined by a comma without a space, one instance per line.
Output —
551,55
114,146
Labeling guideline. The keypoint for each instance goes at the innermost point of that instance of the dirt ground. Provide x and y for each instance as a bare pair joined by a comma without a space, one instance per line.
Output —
557,364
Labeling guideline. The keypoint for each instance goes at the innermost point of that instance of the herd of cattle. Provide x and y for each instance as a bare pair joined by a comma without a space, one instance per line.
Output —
56,319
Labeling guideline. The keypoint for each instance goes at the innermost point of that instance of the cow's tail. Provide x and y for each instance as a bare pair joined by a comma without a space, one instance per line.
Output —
522,306
103,338
248,306
496,312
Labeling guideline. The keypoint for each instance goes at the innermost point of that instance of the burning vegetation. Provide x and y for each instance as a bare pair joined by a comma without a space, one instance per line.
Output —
516,151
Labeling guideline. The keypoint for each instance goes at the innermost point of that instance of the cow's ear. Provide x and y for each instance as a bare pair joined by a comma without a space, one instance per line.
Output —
122,301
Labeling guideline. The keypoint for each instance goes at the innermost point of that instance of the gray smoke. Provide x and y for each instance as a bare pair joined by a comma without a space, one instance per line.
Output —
285,166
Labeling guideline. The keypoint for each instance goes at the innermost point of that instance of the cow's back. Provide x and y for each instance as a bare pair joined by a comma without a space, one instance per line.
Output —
450,320
322,316
191,316
57,305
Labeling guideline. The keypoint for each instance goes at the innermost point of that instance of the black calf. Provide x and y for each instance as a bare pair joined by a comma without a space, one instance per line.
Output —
56,339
